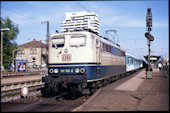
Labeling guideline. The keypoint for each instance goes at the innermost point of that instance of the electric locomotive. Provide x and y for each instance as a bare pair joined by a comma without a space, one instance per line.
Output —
82,61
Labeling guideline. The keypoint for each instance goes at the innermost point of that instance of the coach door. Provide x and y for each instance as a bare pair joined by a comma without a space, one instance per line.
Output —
98,56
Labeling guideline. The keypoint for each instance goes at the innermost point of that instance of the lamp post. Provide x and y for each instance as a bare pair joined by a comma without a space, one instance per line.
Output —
1,52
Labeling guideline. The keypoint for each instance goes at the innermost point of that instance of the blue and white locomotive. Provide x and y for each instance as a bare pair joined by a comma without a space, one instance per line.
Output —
82,61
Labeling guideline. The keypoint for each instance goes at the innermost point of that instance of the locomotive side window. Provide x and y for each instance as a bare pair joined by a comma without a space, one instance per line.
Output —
77,41
58,42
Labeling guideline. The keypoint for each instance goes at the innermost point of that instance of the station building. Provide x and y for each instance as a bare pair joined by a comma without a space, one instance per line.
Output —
154,60
35,52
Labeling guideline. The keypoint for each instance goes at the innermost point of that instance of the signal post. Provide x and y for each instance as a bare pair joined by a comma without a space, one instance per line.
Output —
149,38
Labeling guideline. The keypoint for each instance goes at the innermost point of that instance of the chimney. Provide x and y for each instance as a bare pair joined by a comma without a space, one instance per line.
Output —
34,39
41,41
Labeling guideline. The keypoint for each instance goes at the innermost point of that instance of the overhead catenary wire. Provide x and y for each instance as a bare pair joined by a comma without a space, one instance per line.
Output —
26,16
89,11
31,18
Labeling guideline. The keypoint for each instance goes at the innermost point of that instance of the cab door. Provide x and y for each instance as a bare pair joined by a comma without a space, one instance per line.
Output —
98,56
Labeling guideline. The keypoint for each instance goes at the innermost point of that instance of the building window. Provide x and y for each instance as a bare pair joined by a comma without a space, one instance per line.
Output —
19,52
33,51
22,51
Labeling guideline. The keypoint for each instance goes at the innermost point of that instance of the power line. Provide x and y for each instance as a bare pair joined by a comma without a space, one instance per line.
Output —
82,6
89,11
110,16
25,16
27,30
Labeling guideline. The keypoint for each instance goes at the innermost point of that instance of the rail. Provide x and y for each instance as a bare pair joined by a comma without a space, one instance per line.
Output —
15,85
5,74
13,94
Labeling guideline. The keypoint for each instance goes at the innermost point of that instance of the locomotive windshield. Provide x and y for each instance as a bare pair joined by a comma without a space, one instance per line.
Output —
58,42
77,41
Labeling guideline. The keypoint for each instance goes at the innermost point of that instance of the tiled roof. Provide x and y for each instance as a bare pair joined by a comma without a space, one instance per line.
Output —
33,44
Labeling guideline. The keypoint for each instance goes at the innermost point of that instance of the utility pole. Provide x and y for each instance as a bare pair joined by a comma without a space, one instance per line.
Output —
47,38
48,33
1,50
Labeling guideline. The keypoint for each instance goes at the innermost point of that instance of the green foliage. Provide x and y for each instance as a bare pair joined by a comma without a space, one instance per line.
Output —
9,38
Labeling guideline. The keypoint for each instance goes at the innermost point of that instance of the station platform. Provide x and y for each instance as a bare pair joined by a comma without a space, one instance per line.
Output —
132,93
17,79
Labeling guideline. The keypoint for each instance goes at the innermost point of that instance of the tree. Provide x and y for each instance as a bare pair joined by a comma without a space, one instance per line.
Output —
9,38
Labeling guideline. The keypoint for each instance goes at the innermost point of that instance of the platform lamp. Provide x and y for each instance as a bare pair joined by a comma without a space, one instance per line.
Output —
1,56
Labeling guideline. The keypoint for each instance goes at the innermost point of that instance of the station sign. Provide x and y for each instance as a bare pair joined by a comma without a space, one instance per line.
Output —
153,58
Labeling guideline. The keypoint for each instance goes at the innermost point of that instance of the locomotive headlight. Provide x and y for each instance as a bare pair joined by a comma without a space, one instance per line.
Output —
77,70
82,70
55,70
51,71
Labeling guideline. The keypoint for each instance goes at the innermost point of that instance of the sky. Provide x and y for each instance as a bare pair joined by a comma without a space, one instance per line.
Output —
128,18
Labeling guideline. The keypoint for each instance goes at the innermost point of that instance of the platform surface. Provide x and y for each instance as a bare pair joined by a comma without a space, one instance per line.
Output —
132,93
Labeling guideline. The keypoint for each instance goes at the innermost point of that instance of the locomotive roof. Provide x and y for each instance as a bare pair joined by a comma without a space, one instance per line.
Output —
106,40
132,55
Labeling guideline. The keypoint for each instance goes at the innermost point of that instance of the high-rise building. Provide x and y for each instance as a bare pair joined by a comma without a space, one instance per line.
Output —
79,21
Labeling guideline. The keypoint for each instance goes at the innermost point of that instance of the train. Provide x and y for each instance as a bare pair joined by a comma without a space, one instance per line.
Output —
82,61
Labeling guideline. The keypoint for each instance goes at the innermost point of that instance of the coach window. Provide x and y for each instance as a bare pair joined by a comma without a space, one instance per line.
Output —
77,41
129,61
58,42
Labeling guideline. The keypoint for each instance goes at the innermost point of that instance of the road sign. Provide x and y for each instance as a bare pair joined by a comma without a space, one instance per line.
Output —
24,91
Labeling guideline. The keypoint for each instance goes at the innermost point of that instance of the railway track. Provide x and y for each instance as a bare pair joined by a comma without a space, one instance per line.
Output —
62,102
38,102
15,93
11,86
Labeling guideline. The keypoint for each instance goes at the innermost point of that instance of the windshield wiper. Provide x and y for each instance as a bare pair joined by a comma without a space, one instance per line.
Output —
80,45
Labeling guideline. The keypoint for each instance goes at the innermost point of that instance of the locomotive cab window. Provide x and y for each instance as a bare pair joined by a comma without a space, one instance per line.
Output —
77,41
58,42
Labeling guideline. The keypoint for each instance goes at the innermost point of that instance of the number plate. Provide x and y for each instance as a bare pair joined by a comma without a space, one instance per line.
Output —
66,57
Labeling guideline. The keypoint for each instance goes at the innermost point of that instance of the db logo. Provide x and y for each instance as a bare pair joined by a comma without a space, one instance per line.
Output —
66,57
